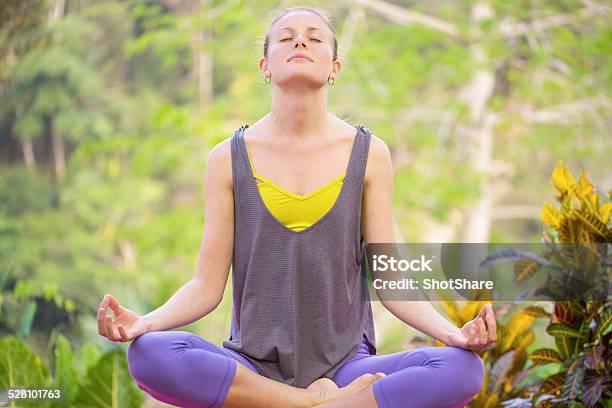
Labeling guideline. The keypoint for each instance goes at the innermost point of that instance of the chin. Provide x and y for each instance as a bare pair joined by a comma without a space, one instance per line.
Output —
298,79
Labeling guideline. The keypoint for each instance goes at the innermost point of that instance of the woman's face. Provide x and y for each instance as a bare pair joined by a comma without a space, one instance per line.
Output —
300,32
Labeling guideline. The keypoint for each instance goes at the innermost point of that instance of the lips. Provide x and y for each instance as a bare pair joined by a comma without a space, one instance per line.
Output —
299,56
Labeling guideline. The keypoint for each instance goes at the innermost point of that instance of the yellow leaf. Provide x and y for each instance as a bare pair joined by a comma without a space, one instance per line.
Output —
492,401
569,230
470,310
524,269
585,193
550,216
584,186
562,179
604,213
451,310
545,356
516,328
536,311
591,222
521,343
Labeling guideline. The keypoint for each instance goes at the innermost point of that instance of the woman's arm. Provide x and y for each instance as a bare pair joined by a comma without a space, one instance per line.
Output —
203,293
378,227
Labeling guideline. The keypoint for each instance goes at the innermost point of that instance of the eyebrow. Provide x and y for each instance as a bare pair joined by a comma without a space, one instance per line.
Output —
311,28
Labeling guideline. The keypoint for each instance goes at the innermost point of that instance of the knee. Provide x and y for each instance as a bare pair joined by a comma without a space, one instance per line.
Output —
470,369
146,355
139,355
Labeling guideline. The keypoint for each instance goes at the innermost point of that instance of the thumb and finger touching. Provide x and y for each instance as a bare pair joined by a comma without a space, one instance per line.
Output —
109,327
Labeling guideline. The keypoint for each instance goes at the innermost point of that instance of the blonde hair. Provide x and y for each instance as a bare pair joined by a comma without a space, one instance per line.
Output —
324,15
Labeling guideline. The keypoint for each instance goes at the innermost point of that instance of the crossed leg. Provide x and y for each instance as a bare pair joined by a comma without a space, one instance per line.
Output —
427,377
183,369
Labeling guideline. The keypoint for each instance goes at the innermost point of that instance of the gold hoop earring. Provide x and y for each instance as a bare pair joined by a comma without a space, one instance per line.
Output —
266,79
332,82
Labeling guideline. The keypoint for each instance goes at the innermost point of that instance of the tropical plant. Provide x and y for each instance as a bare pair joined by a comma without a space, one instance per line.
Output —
24,301
92,380
581,328
582,336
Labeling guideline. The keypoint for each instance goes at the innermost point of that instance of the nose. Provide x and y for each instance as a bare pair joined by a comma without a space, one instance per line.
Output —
300,41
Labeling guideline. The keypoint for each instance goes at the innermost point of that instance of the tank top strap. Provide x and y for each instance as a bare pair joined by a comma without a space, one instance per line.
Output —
355,179
241,167
359,158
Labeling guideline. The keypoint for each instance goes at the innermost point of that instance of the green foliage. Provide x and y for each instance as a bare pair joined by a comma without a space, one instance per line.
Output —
109,384
105,382
66,376
581,329
19,366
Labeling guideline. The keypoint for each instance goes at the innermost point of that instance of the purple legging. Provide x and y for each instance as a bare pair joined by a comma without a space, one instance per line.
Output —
181,368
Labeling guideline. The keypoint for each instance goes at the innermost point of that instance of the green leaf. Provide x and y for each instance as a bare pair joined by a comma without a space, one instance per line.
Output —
109,384
27,318
544,356
20,367
565,345
553,384
560,329
66,377
536,311
605,322
90,355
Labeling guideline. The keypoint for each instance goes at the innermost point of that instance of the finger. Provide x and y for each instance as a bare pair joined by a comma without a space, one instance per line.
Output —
483,311
104,302
123,333
492,325
110,333
472,333
100,318
112,302
484,336
476,333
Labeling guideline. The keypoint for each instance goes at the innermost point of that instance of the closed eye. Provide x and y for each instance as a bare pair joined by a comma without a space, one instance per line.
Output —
314,39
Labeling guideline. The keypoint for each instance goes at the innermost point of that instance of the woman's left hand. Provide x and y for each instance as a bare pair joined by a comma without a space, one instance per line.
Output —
474,335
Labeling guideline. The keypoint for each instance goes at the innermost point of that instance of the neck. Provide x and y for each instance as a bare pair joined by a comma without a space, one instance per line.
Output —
299,112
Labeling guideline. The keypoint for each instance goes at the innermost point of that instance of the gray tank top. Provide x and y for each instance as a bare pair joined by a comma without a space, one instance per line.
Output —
300,304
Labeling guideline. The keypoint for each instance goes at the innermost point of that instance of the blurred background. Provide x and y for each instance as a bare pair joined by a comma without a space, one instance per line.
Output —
109,109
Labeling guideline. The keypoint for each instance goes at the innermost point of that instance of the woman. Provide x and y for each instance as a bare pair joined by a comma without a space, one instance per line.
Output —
301,335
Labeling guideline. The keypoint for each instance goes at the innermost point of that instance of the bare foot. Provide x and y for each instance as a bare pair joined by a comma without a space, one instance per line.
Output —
328,391
323,384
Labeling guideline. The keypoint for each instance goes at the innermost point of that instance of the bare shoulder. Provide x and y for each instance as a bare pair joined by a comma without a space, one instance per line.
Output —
379,165
378,149
379,160
219,165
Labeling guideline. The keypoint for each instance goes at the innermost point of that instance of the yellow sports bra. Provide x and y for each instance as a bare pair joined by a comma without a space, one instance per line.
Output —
297,211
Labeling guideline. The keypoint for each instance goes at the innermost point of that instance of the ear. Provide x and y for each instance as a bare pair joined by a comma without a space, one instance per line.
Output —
336,68
263,65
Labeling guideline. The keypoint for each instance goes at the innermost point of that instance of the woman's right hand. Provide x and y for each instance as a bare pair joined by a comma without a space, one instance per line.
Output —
126,326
